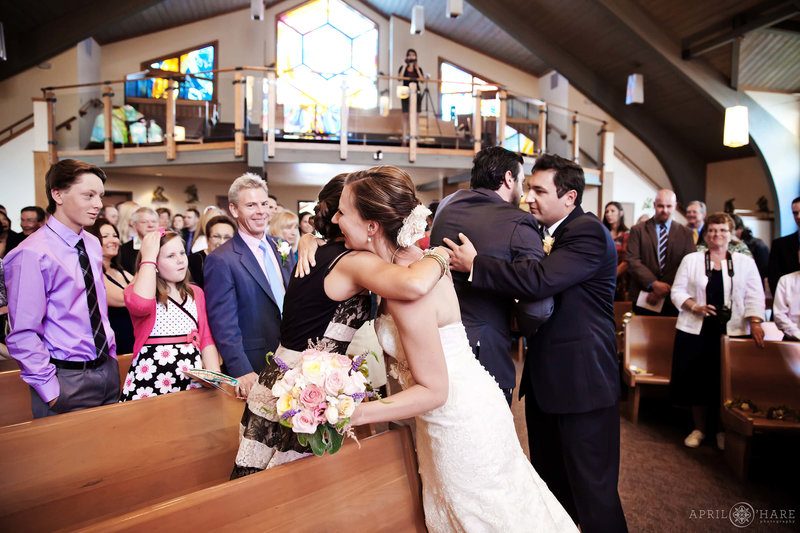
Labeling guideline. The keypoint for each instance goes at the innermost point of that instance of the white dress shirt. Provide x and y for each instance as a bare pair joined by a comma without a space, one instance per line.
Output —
786,305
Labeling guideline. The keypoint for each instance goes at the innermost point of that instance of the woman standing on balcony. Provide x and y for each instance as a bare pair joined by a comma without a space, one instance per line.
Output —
410,72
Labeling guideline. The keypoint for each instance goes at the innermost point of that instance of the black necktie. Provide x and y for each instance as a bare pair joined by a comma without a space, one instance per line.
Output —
99,334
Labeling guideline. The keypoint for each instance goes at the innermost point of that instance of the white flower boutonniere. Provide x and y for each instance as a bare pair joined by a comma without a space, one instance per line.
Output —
284,249
547,244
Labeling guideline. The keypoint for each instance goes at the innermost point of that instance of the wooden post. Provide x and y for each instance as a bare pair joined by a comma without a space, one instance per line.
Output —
343,117
413,122
238,117
542,145
50,97
606,168
271,107
172,150
502,117
575,138
108,139
477,121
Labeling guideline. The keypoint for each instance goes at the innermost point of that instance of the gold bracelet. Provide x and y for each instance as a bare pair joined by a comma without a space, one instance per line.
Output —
439,259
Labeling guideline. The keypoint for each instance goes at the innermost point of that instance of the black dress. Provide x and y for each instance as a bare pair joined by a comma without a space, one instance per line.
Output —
308,316
120,319
415,76
196,262
696,359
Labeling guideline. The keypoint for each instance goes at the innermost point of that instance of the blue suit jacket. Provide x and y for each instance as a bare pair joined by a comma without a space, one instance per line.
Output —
497,229
572,360
244,318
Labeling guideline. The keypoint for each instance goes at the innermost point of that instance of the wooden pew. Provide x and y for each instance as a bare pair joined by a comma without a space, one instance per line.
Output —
768,377
649,342
68,471
375,488
15,394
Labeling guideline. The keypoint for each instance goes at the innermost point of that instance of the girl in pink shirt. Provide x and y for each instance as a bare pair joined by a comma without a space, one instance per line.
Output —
169,321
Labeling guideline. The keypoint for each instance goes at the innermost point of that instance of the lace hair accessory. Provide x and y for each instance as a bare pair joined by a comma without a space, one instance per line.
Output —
414,225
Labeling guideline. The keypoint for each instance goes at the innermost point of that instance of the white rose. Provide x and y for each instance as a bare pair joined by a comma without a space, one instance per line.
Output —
346,406
332,415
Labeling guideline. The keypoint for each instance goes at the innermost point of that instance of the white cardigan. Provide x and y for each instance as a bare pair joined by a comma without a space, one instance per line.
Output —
746,299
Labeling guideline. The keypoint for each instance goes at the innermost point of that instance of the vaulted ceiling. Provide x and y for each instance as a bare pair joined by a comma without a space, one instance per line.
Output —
746,43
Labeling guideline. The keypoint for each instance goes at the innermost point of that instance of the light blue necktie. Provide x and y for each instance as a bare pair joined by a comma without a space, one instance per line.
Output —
273,278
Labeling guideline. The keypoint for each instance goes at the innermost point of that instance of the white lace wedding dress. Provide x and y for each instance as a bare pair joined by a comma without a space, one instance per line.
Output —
475,476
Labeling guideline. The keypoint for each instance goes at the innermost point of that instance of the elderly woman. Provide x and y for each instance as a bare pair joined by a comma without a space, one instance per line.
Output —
218,230
718,292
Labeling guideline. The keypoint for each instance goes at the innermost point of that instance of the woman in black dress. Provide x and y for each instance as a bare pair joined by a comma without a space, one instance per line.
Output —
718,293
116,279
329,304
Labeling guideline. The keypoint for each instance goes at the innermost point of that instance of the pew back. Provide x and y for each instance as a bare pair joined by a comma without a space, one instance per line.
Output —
375,488
770,377
15,394
649,342
77,468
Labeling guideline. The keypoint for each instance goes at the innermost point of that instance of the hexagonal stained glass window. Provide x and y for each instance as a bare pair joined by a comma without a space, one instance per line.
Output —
324,44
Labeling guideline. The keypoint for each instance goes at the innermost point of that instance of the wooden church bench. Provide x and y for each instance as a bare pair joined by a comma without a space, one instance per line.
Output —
768,377
69,470
375,488
647,358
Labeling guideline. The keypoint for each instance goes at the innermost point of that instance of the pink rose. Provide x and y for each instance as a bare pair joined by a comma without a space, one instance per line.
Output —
291,376
334,383
304,422
344,361
319,413
311,397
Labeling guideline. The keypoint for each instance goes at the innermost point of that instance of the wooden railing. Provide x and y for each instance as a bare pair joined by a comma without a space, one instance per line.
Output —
16,129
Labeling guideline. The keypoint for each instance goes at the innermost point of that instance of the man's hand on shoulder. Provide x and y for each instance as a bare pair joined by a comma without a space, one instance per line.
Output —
462,256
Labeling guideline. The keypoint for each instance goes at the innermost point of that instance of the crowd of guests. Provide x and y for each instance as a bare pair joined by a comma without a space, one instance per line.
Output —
196,289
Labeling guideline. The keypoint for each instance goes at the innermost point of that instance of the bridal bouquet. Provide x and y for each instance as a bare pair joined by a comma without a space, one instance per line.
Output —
318,396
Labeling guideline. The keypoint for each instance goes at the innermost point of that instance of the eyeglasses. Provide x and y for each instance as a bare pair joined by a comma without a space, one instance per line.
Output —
714,231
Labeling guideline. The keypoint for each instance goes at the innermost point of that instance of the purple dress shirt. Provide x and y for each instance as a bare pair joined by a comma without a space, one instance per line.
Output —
47,304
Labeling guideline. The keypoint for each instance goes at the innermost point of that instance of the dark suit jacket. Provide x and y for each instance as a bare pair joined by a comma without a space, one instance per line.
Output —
571,365
127,256
196,262
244,318
185,237
497,229
642,254
13,239
782,259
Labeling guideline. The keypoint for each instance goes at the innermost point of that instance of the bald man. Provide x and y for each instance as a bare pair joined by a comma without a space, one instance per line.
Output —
655,250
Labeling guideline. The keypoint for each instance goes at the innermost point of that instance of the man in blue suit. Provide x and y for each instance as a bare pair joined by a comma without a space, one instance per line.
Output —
489,213
571,376
245,282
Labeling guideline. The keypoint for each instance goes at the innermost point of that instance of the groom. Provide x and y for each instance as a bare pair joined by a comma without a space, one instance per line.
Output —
571,375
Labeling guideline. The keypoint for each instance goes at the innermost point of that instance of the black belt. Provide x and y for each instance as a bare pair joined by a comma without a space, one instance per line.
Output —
79,365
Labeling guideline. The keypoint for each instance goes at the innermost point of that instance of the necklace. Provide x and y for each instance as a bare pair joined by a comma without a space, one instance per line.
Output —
398,249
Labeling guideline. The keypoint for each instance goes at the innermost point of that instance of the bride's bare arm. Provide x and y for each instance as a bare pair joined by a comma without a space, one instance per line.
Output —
417,325
367,270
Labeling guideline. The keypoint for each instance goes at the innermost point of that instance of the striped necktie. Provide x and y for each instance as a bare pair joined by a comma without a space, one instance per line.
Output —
99,334
662,246
273,278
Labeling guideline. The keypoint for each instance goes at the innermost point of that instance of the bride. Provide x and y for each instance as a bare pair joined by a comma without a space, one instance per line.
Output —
475,476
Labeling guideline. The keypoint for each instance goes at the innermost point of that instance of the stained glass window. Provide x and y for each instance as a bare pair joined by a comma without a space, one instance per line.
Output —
323,46
193,87
517,142
456,92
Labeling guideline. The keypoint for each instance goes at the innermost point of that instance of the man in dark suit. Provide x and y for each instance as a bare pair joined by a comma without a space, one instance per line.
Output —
655,250
696,220
31,218
245,282
189,231
490,215
571,376
783,255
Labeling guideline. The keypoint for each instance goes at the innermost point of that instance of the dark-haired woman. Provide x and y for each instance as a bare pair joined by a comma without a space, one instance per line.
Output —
614,221
219,230
116,279
328,304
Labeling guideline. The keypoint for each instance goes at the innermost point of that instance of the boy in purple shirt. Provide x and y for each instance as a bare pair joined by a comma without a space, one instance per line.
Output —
57,304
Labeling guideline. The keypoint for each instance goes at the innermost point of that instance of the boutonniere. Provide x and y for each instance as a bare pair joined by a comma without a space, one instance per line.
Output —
284,249
547,244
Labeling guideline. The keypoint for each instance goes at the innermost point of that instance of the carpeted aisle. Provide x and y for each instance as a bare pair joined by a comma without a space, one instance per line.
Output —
666,487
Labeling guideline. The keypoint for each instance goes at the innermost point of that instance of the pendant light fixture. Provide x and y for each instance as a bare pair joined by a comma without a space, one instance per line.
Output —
737,129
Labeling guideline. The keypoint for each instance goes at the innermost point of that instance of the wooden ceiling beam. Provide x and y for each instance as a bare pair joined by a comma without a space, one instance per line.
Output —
29,49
